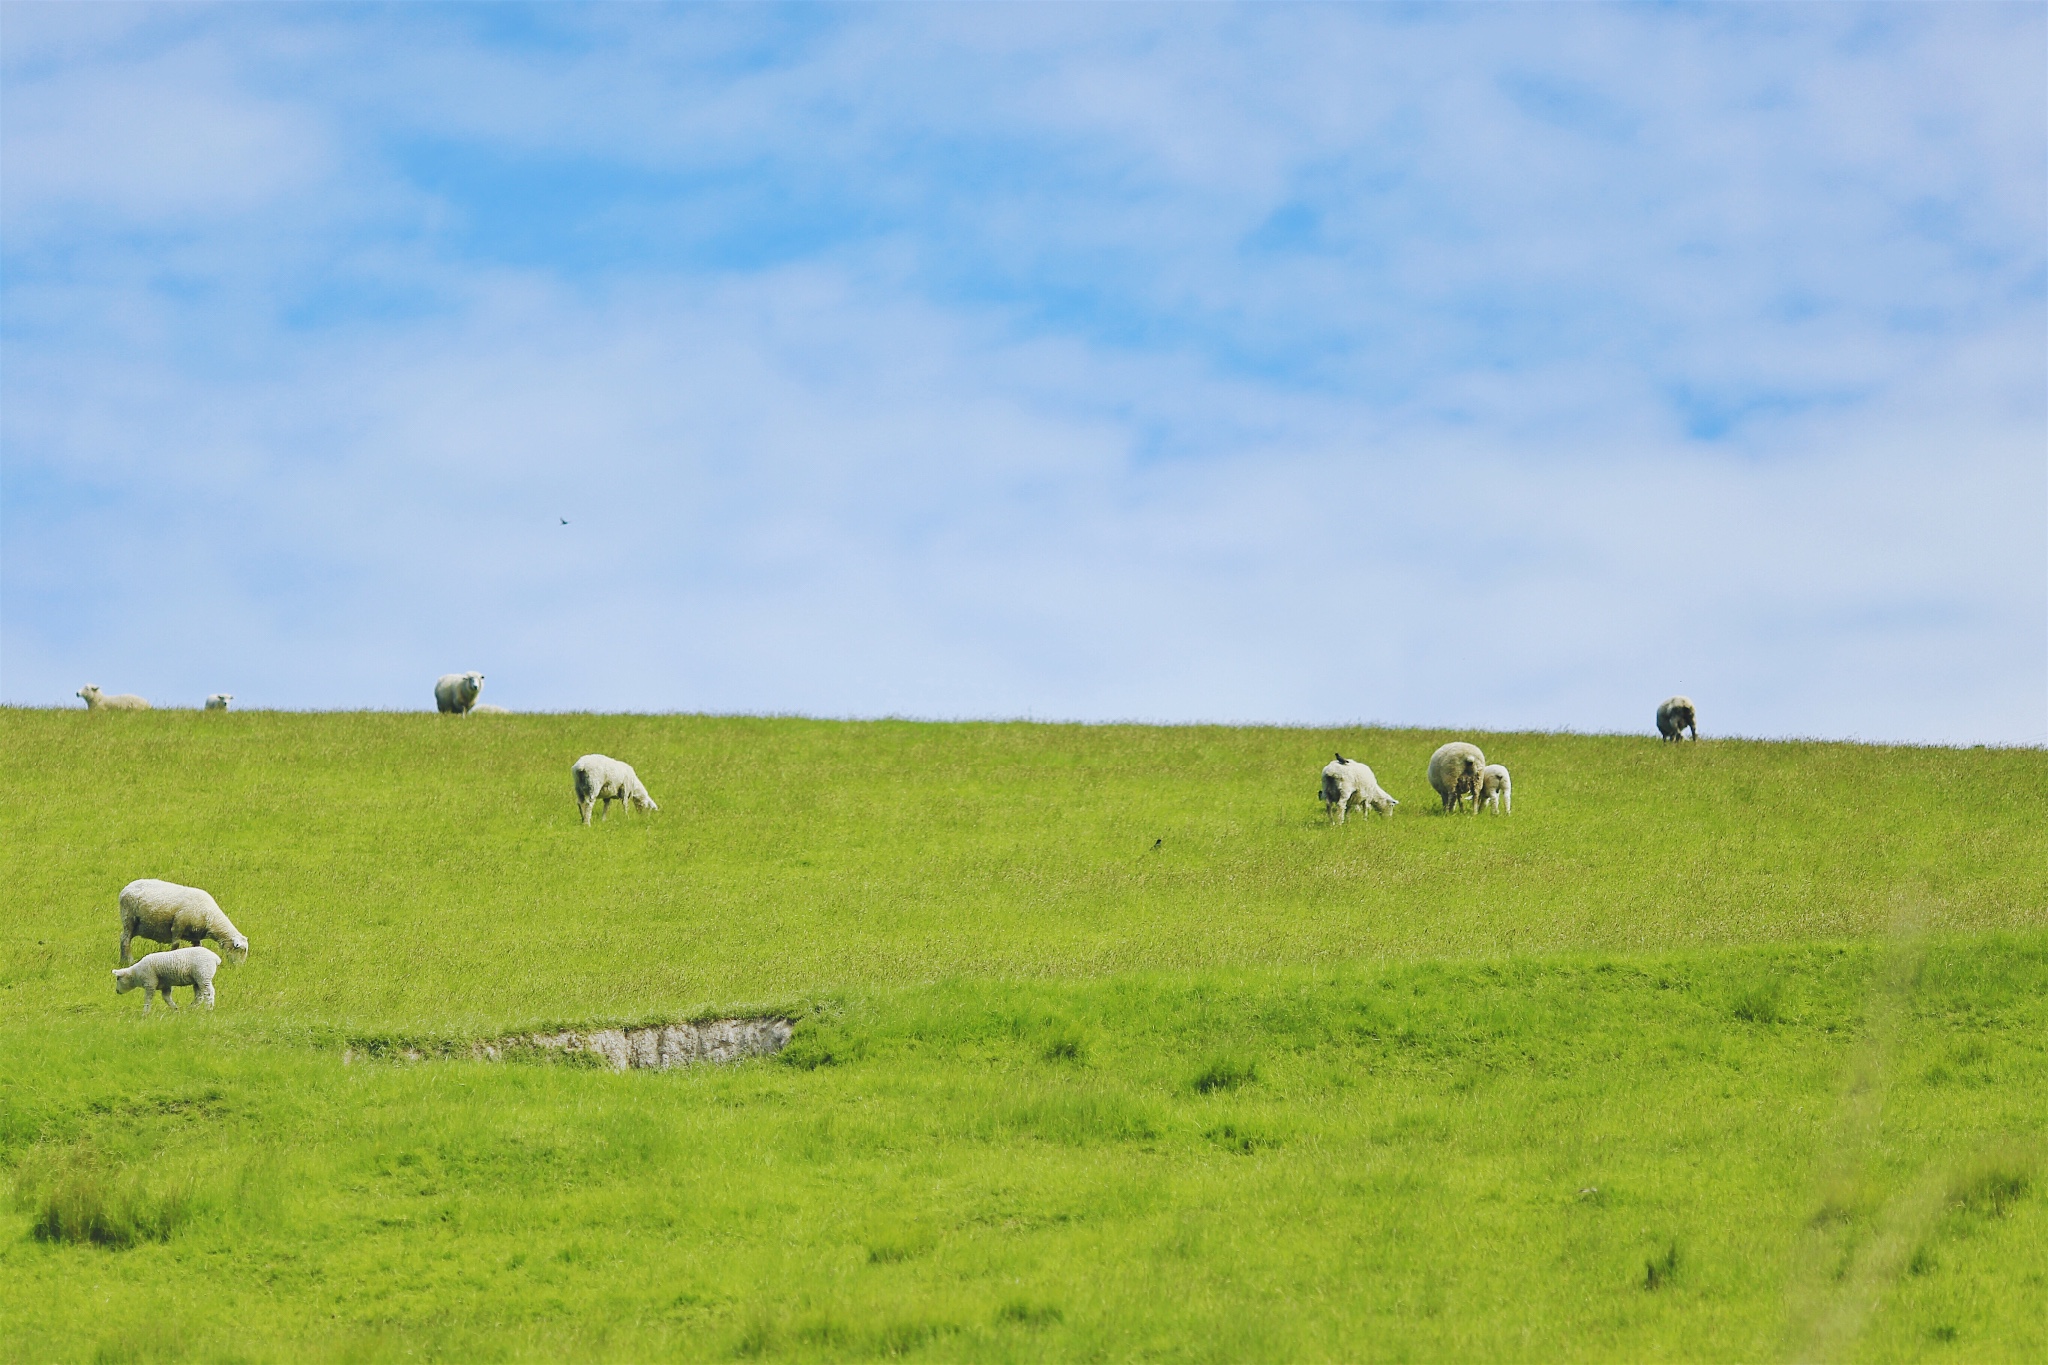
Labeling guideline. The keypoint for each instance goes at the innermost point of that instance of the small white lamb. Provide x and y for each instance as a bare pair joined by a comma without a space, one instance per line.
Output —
456,693
219,701
484,708
1496,789
158,972
606,779
165,912
1454,772
95,700
1348,783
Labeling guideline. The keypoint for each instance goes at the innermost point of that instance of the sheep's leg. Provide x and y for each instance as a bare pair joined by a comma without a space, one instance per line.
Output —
585,807
202,994
127,937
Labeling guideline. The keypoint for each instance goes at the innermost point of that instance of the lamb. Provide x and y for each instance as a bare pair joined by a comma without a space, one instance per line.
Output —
1454,772
606,779
219,701
158,972
165,912
1675,716
95,700
1347,783
1496,789
484,708
455,693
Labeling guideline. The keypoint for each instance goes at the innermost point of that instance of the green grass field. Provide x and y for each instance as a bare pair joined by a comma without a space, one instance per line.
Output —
1109,1047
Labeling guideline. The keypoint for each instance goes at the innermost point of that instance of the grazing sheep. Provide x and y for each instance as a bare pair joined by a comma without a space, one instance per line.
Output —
1676,716
1496,789
165,912
606,779
95,700
1347,783
1454,772
158,972
484,708
219,701
456,692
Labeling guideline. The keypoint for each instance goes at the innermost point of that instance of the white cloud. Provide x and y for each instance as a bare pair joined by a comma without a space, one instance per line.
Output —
1042,429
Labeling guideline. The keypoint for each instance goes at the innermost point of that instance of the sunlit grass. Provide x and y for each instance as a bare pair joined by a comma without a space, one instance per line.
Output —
1733,1051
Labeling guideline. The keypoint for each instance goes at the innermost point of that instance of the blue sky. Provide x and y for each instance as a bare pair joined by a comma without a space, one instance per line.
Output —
1486,366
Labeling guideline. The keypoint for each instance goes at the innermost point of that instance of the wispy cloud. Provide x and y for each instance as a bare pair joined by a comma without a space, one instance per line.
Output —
1493,366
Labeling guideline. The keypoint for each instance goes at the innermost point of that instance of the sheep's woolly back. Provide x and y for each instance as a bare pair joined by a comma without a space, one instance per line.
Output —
1454,770
95,700
165,912
601,778
172,967
1675,715
1347,784
457,692
158,972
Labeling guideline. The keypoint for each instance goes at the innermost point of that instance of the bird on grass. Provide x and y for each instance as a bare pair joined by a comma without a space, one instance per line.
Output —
1156,843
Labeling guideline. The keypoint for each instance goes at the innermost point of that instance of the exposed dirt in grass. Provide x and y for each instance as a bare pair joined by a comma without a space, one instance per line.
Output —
655,1047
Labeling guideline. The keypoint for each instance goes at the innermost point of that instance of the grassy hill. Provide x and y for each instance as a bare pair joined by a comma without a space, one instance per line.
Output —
1109,1046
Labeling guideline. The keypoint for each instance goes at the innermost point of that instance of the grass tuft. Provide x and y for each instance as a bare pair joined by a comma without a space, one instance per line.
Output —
1659,1271
91,1207
1760,1004
1225,1072
1024,1313
1992,1186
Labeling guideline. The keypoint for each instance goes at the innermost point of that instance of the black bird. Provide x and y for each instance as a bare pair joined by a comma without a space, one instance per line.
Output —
1340,757
565,521
1156,843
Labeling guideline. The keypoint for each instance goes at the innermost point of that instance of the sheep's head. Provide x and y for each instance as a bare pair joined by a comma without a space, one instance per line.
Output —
641,799
124,980
89,693
237,948
1385,802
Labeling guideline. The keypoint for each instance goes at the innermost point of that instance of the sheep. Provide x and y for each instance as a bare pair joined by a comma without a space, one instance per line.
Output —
1454,772
606,779
158,972
1675,716
1347,783
95,700
219,701
484,708
1496,789
165,912
455,693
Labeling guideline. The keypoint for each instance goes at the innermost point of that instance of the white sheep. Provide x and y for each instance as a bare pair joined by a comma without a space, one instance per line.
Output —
606,779
457,692
219,701
1454,772
165,912
1676,716
1496,789
1348,783
158,972
95,700
484,708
